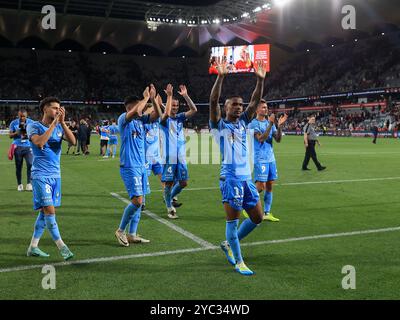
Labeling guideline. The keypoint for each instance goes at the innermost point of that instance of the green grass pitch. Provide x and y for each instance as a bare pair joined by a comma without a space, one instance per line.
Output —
304,269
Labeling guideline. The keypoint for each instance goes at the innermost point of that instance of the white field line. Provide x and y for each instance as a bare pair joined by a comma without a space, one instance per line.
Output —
344,153
174,227
296,183
337,181
164,253
322,236
104,259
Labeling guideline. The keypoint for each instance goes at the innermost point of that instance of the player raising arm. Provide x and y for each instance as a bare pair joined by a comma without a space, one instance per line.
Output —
132,162
152,143
238,191
175,171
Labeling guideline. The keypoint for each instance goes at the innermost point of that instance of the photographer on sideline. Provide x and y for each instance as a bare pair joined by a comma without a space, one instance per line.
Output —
23,148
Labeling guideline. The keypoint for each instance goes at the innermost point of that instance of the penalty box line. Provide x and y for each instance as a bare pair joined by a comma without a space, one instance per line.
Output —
191,236
192,250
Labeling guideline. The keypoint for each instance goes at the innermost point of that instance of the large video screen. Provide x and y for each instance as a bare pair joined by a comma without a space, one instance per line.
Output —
240,58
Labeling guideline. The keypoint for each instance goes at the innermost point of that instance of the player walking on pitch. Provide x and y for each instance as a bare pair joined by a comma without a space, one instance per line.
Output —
23,148
132,162
113,142
175,171
238,191
265,171
46,138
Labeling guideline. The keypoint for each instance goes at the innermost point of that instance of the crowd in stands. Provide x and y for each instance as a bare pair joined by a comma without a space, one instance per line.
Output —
365,64
27,74
340,121
32,74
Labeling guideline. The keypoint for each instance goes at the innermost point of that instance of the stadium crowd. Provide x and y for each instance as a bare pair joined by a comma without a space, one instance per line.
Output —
339,121
368,63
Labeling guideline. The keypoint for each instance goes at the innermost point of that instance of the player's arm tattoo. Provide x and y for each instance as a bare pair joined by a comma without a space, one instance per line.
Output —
278,134
192,107
157,113
255,98
263,137
215,109
168,109
41,140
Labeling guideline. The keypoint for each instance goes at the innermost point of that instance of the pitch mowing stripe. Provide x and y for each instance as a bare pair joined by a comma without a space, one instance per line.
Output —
165,253
174,227
297,183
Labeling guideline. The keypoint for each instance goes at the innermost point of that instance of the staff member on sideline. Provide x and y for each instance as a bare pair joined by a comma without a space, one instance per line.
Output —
375,131
23,148
310,138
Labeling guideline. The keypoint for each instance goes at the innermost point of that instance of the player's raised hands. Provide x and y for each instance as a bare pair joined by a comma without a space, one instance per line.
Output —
146,93
260,69
152,91
222,68
183,91
271,118
282,119
57,118
61,115
169,90
159,100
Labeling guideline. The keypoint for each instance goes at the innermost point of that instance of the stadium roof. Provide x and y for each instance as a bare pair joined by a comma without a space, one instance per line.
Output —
141,9
126,24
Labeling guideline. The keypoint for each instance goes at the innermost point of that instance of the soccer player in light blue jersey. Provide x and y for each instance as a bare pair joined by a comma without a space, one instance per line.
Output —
104,139
113,142
23,148
175,171
265,171
152,146
238,190
46,138
132,162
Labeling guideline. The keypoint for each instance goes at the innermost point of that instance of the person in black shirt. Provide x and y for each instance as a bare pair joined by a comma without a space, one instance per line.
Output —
375,131
74,129
89,132
82,137
310,139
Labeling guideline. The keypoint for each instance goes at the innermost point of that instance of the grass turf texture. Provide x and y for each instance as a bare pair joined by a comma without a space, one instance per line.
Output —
308,269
